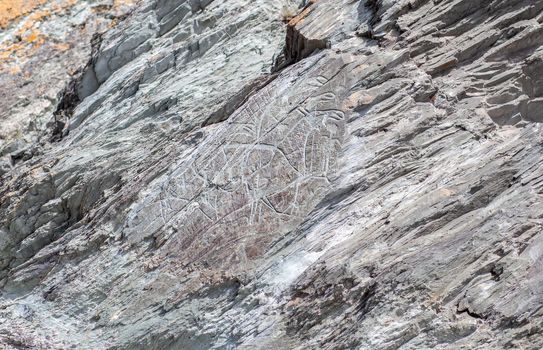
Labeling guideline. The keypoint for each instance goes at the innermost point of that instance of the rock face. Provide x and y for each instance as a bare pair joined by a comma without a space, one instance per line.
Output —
39,52
257,174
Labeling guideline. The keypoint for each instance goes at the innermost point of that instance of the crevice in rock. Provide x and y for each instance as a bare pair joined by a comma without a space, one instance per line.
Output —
332,199
497,272
470,313
82,85
297,45
366,301
463,308
373,6
239,99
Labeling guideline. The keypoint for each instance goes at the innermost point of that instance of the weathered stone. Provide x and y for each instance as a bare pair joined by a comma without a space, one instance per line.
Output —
226,175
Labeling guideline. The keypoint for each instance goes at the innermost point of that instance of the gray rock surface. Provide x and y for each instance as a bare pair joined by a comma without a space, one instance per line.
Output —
40,52
279,175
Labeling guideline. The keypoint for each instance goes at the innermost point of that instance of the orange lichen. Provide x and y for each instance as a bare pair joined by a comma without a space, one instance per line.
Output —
26,39
29,40
36,17
12,9
32,37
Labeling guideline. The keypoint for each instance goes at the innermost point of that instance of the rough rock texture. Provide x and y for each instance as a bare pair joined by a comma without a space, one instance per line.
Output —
363,175
43,44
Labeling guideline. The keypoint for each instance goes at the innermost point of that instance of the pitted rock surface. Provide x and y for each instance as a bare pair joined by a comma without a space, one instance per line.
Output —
283,175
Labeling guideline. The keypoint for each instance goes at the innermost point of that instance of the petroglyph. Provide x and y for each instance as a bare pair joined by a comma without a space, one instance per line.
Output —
257,179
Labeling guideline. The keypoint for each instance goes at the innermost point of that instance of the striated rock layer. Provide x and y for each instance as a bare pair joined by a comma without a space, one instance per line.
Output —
254,174
50,41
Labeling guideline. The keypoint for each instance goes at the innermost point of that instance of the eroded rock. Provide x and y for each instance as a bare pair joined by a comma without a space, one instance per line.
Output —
365,176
